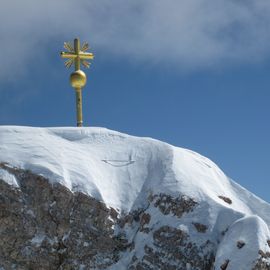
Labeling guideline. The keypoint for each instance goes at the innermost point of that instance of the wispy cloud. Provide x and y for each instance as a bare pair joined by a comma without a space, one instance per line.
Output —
189,34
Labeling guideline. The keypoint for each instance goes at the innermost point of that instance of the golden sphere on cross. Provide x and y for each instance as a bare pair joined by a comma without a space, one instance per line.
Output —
78,79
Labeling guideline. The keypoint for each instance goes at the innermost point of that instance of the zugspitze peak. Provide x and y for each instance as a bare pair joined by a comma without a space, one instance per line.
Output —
92,198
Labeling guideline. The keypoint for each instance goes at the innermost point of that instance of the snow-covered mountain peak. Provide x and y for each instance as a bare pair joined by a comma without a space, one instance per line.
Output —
128,173
117,168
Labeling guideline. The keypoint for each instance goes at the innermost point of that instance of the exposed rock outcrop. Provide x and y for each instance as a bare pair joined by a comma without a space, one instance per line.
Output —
46,226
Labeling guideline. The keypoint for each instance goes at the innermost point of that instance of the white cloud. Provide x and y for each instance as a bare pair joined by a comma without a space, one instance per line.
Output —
187,34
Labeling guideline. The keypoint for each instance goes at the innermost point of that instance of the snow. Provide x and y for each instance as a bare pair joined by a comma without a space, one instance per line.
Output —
122,171
244,230
75,158
38,239
8,178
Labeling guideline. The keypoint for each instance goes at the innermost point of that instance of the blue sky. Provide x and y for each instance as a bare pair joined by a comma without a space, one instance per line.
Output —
186,72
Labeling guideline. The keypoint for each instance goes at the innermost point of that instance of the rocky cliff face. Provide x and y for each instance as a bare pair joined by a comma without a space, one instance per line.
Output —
45,226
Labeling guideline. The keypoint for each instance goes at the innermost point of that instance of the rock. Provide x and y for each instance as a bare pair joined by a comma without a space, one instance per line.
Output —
176,206
226,199
46,226
240,244
225,265
200,227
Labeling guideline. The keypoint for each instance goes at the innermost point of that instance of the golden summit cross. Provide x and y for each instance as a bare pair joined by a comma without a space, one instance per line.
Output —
77,55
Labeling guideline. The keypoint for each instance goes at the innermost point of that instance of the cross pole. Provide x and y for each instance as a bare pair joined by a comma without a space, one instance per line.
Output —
77,55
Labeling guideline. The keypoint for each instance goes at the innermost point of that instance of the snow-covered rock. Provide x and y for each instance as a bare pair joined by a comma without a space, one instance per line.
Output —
92,198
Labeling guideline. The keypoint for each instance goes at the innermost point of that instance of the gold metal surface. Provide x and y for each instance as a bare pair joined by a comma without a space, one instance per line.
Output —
77,79
79,107
77,55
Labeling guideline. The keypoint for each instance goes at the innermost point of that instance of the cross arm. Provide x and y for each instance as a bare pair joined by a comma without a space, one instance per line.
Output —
83,55
68,55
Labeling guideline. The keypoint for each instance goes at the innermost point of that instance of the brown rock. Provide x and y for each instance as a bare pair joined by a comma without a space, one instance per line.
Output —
200,227
225,265
226,199
240,244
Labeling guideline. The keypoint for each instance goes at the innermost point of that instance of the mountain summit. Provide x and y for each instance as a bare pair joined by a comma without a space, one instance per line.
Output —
92,198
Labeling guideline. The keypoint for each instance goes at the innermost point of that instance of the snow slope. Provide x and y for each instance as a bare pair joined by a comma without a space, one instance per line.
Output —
123,170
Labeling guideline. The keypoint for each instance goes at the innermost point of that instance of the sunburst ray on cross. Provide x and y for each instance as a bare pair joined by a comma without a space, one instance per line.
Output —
78,55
